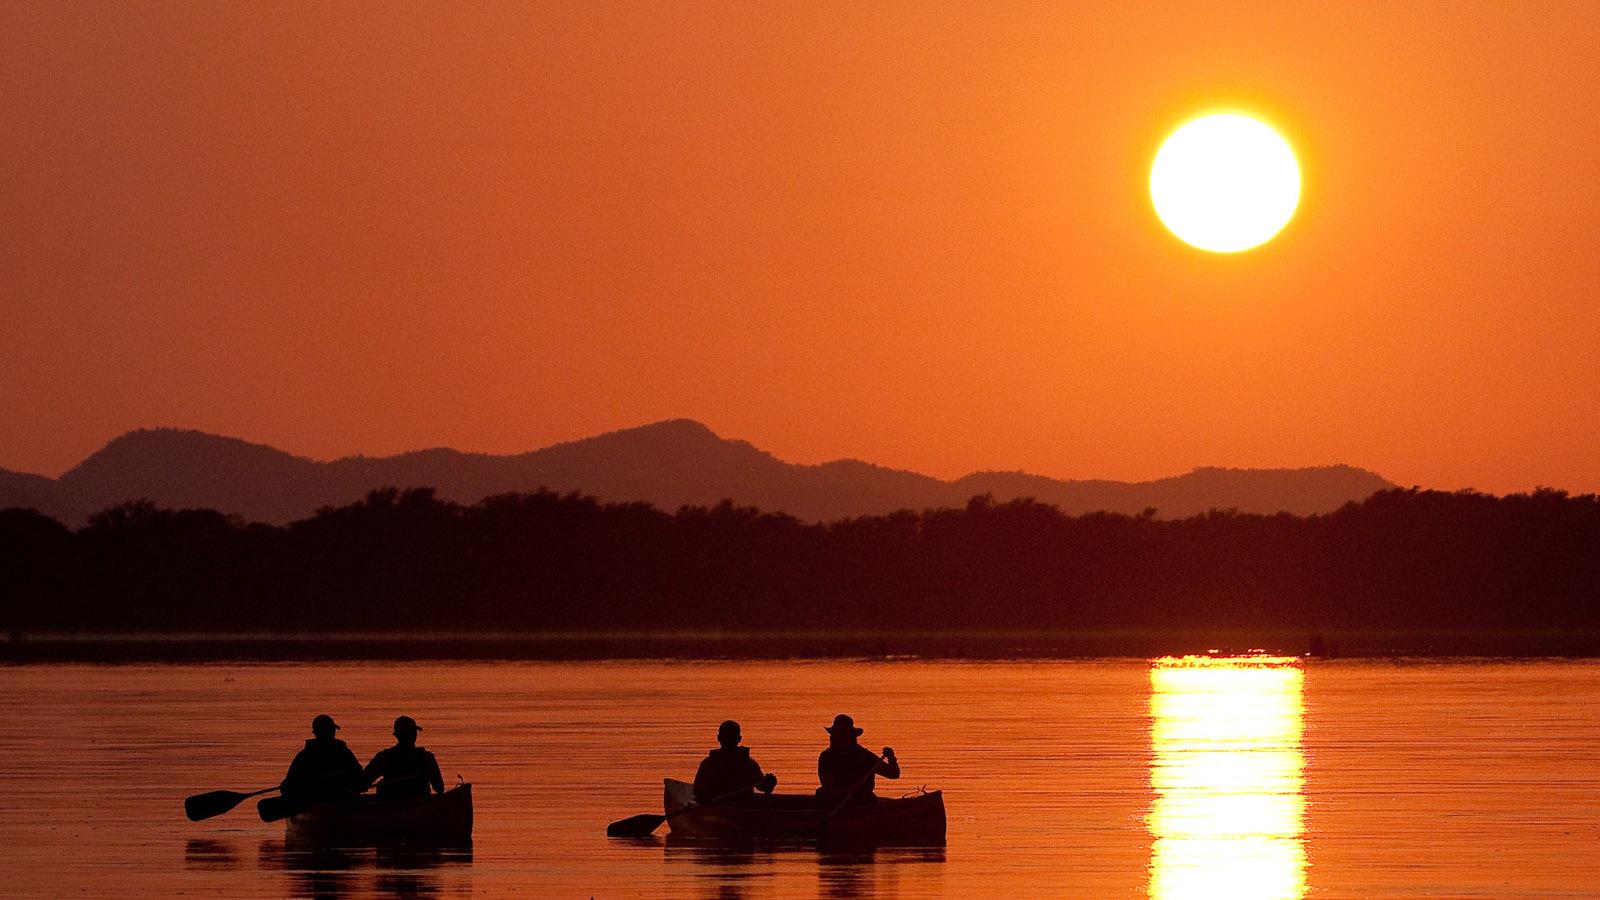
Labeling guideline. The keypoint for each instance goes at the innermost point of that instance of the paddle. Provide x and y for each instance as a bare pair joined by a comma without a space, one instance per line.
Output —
273,809
215,803
644,824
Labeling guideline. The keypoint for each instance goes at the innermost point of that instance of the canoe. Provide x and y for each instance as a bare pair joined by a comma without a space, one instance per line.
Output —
916,821
439,820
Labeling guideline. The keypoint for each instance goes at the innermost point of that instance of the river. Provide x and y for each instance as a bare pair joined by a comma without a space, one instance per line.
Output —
1167,779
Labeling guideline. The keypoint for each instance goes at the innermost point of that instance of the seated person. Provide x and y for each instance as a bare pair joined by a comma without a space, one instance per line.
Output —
848,770
405,769
728,774
325,769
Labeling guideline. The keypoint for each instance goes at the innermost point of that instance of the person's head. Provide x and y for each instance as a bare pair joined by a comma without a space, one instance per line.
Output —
323,727
728,734
843,731
405,730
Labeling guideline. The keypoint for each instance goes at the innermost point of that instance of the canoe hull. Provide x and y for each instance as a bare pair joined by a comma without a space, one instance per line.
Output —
917,821
438,820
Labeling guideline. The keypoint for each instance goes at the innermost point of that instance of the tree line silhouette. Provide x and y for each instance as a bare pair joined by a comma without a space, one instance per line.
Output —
408,561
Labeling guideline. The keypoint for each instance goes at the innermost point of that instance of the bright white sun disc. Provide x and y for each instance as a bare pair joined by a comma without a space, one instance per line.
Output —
1225,183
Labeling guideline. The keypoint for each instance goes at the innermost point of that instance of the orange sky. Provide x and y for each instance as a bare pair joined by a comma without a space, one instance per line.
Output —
912,235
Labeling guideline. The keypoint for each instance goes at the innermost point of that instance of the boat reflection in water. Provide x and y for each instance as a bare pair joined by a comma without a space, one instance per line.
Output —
210,854
1228,817
373,871
731,871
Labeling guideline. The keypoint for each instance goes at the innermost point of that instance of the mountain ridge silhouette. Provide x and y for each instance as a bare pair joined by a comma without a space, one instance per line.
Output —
672,463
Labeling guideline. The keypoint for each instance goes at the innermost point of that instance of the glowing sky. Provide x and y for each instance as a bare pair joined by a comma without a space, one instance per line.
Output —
913,234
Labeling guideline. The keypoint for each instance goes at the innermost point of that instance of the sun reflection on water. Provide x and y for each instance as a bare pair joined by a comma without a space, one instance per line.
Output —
1228,818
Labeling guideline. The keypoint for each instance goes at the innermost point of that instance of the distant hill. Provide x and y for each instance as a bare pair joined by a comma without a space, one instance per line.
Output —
31,491
669,464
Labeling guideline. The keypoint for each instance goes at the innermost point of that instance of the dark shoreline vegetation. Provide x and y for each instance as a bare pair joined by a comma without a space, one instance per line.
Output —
543,575
883,647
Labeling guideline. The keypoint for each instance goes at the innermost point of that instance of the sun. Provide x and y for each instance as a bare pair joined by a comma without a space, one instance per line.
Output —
1225,182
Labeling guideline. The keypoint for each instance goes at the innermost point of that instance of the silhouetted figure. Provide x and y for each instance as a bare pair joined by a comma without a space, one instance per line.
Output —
405,769
325,769
729,769
848,770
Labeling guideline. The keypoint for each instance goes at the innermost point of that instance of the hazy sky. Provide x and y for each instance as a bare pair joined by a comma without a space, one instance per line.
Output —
913,234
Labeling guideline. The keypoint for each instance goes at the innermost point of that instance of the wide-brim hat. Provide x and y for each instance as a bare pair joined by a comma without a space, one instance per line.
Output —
842,724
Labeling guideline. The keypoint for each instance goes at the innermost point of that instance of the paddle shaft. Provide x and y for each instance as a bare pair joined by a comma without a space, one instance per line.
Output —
273,812
214,803
236,796
633,825
715,800
871,773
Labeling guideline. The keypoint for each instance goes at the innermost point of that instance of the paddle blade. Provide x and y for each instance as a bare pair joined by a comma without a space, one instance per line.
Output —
273,809
642,825
211,803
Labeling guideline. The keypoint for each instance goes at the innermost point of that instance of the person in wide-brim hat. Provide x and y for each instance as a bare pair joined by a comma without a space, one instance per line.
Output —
843,724
846,769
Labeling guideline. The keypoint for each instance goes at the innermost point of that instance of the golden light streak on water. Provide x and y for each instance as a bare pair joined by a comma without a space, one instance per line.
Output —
1228,819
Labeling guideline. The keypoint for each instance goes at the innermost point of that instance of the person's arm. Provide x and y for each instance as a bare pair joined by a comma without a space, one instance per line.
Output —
371,773
350,775
765,782
824,773
292,778
435,777
888,766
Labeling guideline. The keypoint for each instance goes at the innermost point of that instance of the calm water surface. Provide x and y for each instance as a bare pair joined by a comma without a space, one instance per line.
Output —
1063,779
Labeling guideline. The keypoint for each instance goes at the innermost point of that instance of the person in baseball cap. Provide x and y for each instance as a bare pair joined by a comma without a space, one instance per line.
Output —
404,770
325,769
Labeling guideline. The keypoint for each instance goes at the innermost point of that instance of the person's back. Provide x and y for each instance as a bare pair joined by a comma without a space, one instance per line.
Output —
728,774
847,771
726,771
841,769
324,769
404,770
